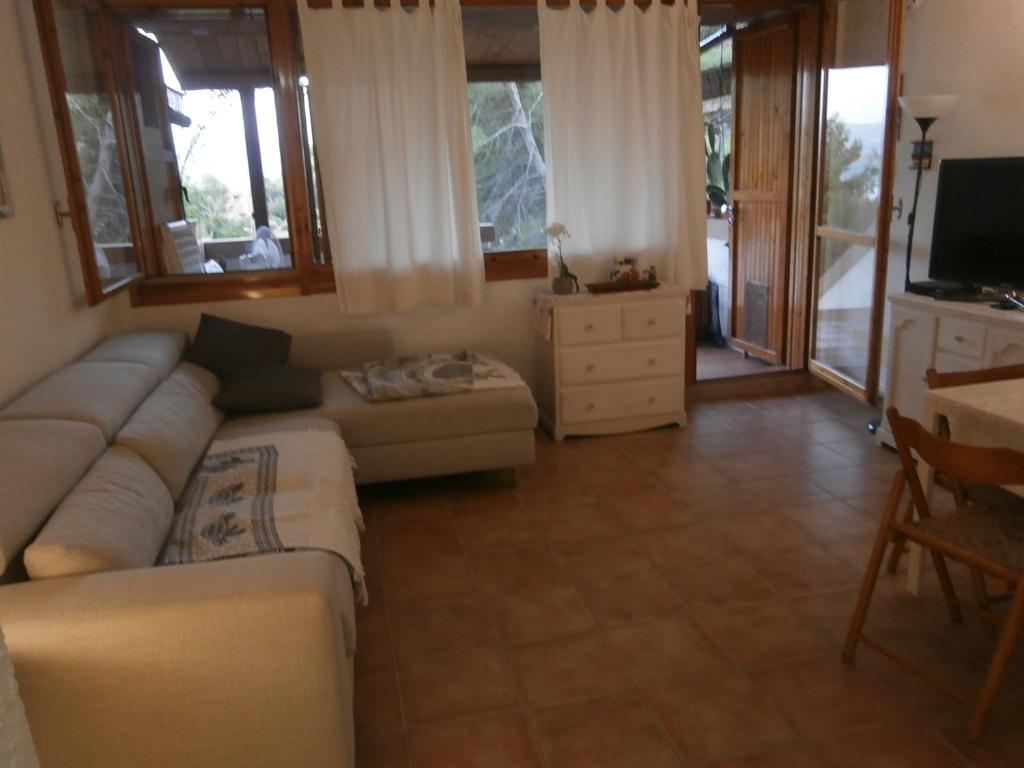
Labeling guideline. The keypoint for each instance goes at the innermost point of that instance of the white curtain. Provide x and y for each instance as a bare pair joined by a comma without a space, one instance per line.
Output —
389,102
625,137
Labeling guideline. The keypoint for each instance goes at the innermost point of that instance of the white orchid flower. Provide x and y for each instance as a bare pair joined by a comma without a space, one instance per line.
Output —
556,231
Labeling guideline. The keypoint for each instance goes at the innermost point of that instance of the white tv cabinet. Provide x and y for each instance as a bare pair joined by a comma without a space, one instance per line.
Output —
948,336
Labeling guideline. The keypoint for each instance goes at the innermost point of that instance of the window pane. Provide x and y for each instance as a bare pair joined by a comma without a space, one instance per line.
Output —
853,147
153,114
507,120
846,279
97,143
716,85
216,63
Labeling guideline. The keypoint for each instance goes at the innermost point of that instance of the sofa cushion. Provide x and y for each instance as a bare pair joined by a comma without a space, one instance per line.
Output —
173,427
160,350
40,461
424,418
117,517
101,394
269,389
223,345
269,423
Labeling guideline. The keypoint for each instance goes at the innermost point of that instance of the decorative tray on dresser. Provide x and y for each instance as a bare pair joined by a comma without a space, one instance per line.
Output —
610,363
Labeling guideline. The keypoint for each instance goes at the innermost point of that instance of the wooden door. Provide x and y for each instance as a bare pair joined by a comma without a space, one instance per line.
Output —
764,74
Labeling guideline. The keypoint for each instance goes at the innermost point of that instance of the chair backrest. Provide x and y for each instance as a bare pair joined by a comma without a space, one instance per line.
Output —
938,380
963,463
180,252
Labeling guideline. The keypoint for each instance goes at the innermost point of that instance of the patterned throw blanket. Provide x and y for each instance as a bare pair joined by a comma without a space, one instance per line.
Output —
281,492
402,378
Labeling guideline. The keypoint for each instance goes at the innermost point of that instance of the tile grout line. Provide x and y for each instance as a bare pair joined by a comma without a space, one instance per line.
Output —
502,647
403,710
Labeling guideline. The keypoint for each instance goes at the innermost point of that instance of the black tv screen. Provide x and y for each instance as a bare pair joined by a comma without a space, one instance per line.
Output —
978,235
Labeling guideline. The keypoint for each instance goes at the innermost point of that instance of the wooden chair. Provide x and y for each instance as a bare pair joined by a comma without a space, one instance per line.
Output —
988,538
938,380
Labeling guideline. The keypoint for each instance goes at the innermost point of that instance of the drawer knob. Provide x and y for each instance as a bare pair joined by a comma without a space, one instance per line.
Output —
652,400
651,321
590,367
588,327
590,406
960,338
652,361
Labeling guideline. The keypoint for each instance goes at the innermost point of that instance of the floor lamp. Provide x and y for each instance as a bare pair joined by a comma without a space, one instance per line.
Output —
925,110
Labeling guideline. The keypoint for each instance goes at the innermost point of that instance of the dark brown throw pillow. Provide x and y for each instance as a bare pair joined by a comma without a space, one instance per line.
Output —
271,388
222,346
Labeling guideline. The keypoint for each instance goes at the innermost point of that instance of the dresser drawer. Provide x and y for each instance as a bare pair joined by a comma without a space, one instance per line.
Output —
619,401
588,365
652,320
962,337
589,325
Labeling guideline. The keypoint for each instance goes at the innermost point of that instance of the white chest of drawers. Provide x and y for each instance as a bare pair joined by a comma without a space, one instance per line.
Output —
610,363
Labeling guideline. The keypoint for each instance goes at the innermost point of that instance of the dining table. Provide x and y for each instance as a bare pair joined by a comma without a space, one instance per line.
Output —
989,414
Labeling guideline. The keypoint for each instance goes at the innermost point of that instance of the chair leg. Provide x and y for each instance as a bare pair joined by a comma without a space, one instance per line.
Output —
899,547
997,667
900,539
980,590
948,592
860,612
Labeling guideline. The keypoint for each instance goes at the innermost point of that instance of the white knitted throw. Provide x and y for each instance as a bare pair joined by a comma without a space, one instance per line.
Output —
16,748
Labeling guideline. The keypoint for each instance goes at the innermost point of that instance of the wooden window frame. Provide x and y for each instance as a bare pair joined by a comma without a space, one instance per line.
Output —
307,276
78,210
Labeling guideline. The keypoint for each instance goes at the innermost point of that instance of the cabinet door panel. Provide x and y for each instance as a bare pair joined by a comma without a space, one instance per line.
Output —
912,341
1004,348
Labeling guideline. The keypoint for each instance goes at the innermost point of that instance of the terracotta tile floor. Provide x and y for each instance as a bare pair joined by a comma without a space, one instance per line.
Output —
675,597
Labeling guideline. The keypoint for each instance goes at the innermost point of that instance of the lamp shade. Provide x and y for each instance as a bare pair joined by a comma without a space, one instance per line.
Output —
16,748
928,106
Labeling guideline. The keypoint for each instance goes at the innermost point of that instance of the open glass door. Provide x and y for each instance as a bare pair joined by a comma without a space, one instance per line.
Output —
855,170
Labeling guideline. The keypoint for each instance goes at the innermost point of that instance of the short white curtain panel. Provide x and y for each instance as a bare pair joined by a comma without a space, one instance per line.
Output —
390,115
625,136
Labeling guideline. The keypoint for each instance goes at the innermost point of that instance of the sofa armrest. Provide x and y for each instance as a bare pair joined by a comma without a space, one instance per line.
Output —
237,662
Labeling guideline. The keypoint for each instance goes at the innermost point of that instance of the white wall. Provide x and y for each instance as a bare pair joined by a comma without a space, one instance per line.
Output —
43,318
502,325
972,49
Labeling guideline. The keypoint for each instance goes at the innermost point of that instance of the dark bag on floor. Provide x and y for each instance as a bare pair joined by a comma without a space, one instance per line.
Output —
714,323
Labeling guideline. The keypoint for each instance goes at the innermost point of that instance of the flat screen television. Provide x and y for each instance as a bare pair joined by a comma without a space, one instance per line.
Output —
978,234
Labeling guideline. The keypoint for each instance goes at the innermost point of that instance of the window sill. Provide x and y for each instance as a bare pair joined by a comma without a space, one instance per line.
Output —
190,289
527,264
110,291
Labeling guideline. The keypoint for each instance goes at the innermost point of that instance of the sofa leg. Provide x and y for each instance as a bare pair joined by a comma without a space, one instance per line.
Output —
513,476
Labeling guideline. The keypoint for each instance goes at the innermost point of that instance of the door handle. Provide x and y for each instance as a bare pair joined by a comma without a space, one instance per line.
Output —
61,213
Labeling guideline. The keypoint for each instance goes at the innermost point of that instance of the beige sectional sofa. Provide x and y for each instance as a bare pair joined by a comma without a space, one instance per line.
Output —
410,438
246,661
